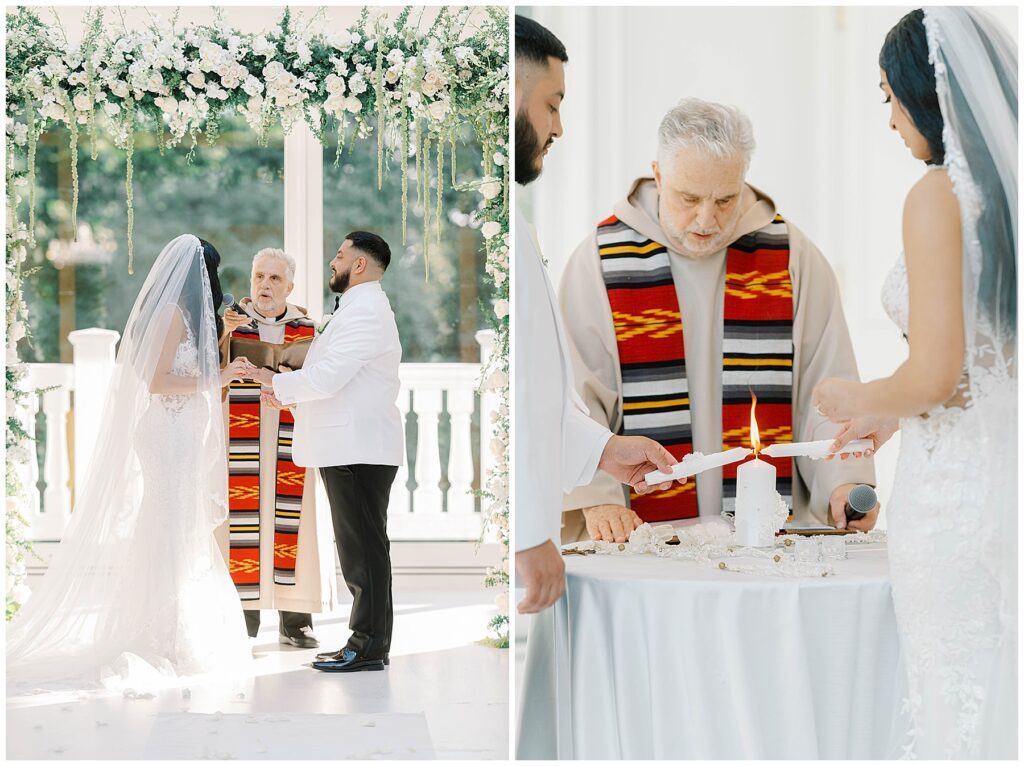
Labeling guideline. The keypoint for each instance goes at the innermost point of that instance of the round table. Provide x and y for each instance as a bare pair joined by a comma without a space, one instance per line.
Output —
647,657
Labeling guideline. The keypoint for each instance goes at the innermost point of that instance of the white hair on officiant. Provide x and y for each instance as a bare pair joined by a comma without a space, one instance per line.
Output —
281,255
720,131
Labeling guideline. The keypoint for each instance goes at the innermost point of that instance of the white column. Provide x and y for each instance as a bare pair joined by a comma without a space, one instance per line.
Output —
304,216
427,497
94,351
398,503
460,458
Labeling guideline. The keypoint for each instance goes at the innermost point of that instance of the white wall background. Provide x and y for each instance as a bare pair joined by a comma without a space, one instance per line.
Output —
808,79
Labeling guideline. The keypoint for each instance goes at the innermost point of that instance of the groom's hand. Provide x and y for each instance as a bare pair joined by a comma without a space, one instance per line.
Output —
630,458
542,571
263,376
837,504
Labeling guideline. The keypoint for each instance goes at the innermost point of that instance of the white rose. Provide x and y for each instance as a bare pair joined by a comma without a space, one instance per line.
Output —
438,110
274,71
304,53
334,84
197,80
252,86
82,102
187,108
16,331
490,228
501,309
497,380
391,76
357,84
20,593
499,159
262,47
353,104
166,104
491,188
370,45
111,109
119,88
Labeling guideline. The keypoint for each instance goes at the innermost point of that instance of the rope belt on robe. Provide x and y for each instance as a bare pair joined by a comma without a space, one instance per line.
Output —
244,480
757,350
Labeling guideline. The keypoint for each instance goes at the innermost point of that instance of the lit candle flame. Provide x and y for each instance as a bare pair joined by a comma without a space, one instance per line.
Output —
755,435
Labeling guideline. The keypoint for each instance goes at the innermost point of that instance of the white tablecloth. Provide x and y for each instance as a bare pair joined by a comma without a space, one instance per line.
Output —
661,658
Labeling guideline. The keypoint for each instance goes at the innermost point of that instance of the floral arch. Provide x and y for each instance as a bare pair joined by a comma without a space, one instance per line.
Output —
409,86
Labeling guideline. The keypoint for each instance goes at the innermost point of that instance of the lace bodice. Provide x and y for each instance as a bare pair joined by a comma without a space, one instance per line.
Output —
896,295
186,357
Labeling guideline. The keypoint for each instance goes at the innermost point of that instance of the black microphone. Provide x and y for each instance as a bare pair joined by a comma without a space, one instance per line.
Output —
229,301
859,502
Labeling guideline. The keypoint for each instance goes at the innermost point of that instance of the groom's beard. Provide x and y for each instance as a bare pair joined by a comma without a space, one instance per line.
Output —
339,282
528,150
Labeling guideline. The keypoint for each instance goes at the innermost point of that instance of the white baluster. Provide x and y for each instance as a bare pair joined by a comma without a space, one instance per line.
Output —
488,406
28,472
399,502
460,459
93,365
427,497
488,410
56,511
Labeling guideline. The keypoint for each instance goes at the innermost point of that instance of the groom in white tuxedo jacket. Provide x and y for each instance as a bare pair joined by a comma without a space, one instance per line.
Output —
557,445
348,426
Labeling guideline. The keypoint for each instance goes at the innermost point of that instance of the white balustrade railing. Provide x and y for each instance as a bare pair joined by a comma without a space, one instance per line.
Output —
432,509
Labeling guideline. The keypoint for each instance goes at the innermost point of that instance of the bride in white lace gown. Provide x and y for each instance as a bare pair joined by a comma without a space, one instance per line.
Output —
137,595
951,77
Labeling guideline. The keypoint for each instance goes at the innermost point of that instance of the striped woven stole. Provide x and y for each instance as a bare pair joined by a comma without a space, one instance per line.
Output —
757,353
244,481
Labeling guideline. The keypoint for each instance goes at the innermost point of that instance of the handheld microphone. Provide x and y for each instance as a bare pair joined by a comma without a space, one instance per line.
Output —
859,502
228,301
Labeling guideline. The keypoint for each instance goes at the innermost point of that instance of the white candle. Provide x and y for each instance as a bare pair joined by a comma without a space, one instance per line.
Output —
756,501
696,462
815,450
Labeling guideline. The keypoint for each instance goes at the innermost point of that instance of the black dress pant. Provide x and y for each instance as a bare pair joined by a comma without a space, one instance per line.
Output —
359,509
289,623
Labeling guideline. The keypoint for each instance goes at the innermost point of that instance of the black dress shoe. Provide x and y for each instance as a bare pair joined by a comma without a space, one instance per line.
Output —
304,640
337,655
347,661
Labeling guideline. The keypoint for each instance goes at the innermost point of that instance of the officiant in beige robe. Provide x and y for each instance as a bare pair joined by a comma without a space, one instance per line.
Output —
696,214
280,553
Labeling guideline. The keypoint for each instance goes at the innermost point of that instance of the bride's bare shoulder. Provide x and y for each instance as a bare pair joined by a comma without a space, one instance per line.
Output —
931,207
932,192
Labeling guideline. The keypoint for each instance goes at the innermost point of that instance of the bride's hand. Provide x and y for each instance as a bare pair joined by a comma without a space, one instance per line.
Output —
240,369
879,430
834,399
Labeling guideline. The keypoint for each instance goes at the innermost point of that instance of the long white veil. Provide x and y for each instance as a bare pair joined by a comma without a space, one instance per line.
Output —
976,81
137,581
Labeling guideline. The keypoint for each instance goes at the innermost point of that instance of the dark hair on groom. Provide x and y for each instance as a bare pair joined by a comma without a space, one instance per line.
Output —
904,57
536,43
372,245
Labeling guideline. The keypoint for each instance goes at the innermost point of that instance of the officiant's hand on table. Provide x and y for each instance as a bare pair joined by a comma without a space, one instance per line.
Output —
612,523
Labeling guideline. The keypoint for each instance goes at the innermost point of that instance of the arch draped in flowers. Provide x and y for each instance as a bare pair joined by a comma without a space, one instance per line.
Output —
410,85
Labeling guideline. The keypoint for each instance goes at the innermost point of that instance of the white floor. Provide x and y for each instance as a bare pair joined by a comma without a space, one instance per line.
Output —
444,696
